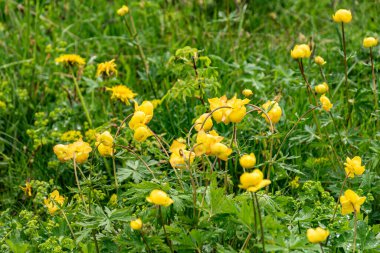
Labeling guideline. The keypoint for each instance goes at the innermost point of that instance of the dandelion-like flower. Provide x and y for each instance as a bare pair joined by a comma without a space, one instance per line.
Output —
354,166
317,235
80,150
70,60
123,93
106,69
180,156
351,202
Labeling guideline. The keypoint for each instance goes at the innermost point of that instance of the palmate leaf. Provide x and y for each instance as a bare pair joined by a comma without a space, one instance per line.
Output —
135,170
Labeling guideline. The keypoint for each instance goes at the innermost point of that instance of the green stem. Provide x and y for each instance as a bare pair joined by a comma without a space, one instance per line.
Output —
345,74
374,87
340,194
254,215
78,184
145,242
355,229
163,226
68,224
261,222
320,244
114,171
81,98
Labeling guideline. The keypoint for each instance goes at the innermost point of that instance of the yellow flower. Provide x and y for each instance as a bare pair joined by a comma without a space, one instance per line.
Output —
247,93
122,93
181,158
319,60
322,88
342,15
146,107
123,10
253,181
71,136
300,51
274,113
370,42
142,132
179,154
156,103
105,138
221,151
238,110
136,224
248,161
201,120
106,69
54,202
160,198
70,59
27,189
63,152
113,200
137,119
354,166
317,235
351,202
81,151
105,150
295,182
220,114
326,104
205,141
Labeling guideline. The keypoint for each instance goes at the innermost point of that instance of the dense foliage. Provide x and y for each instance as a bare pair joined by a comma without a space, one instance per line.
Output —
189,126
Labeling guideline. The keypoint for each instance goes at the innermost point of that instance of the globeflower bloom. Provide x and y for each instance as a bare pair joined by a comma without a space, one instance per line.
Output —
326,104
354,166
253,181
221,151
81,151
136,224
274,113
342,16
248,161
147,108
205,141
104,138
70,60
54,202
319,60
351,202
322,88
142,132
207,124
300,51
159,198
238,110
105,150
123,10
220,115
180,156
106,69
317,235
370,42
122,93
247,93
63,152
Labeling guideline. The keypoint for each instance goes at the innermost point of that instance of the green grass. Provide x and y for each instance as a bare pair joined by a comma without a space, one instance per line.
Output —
249,47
